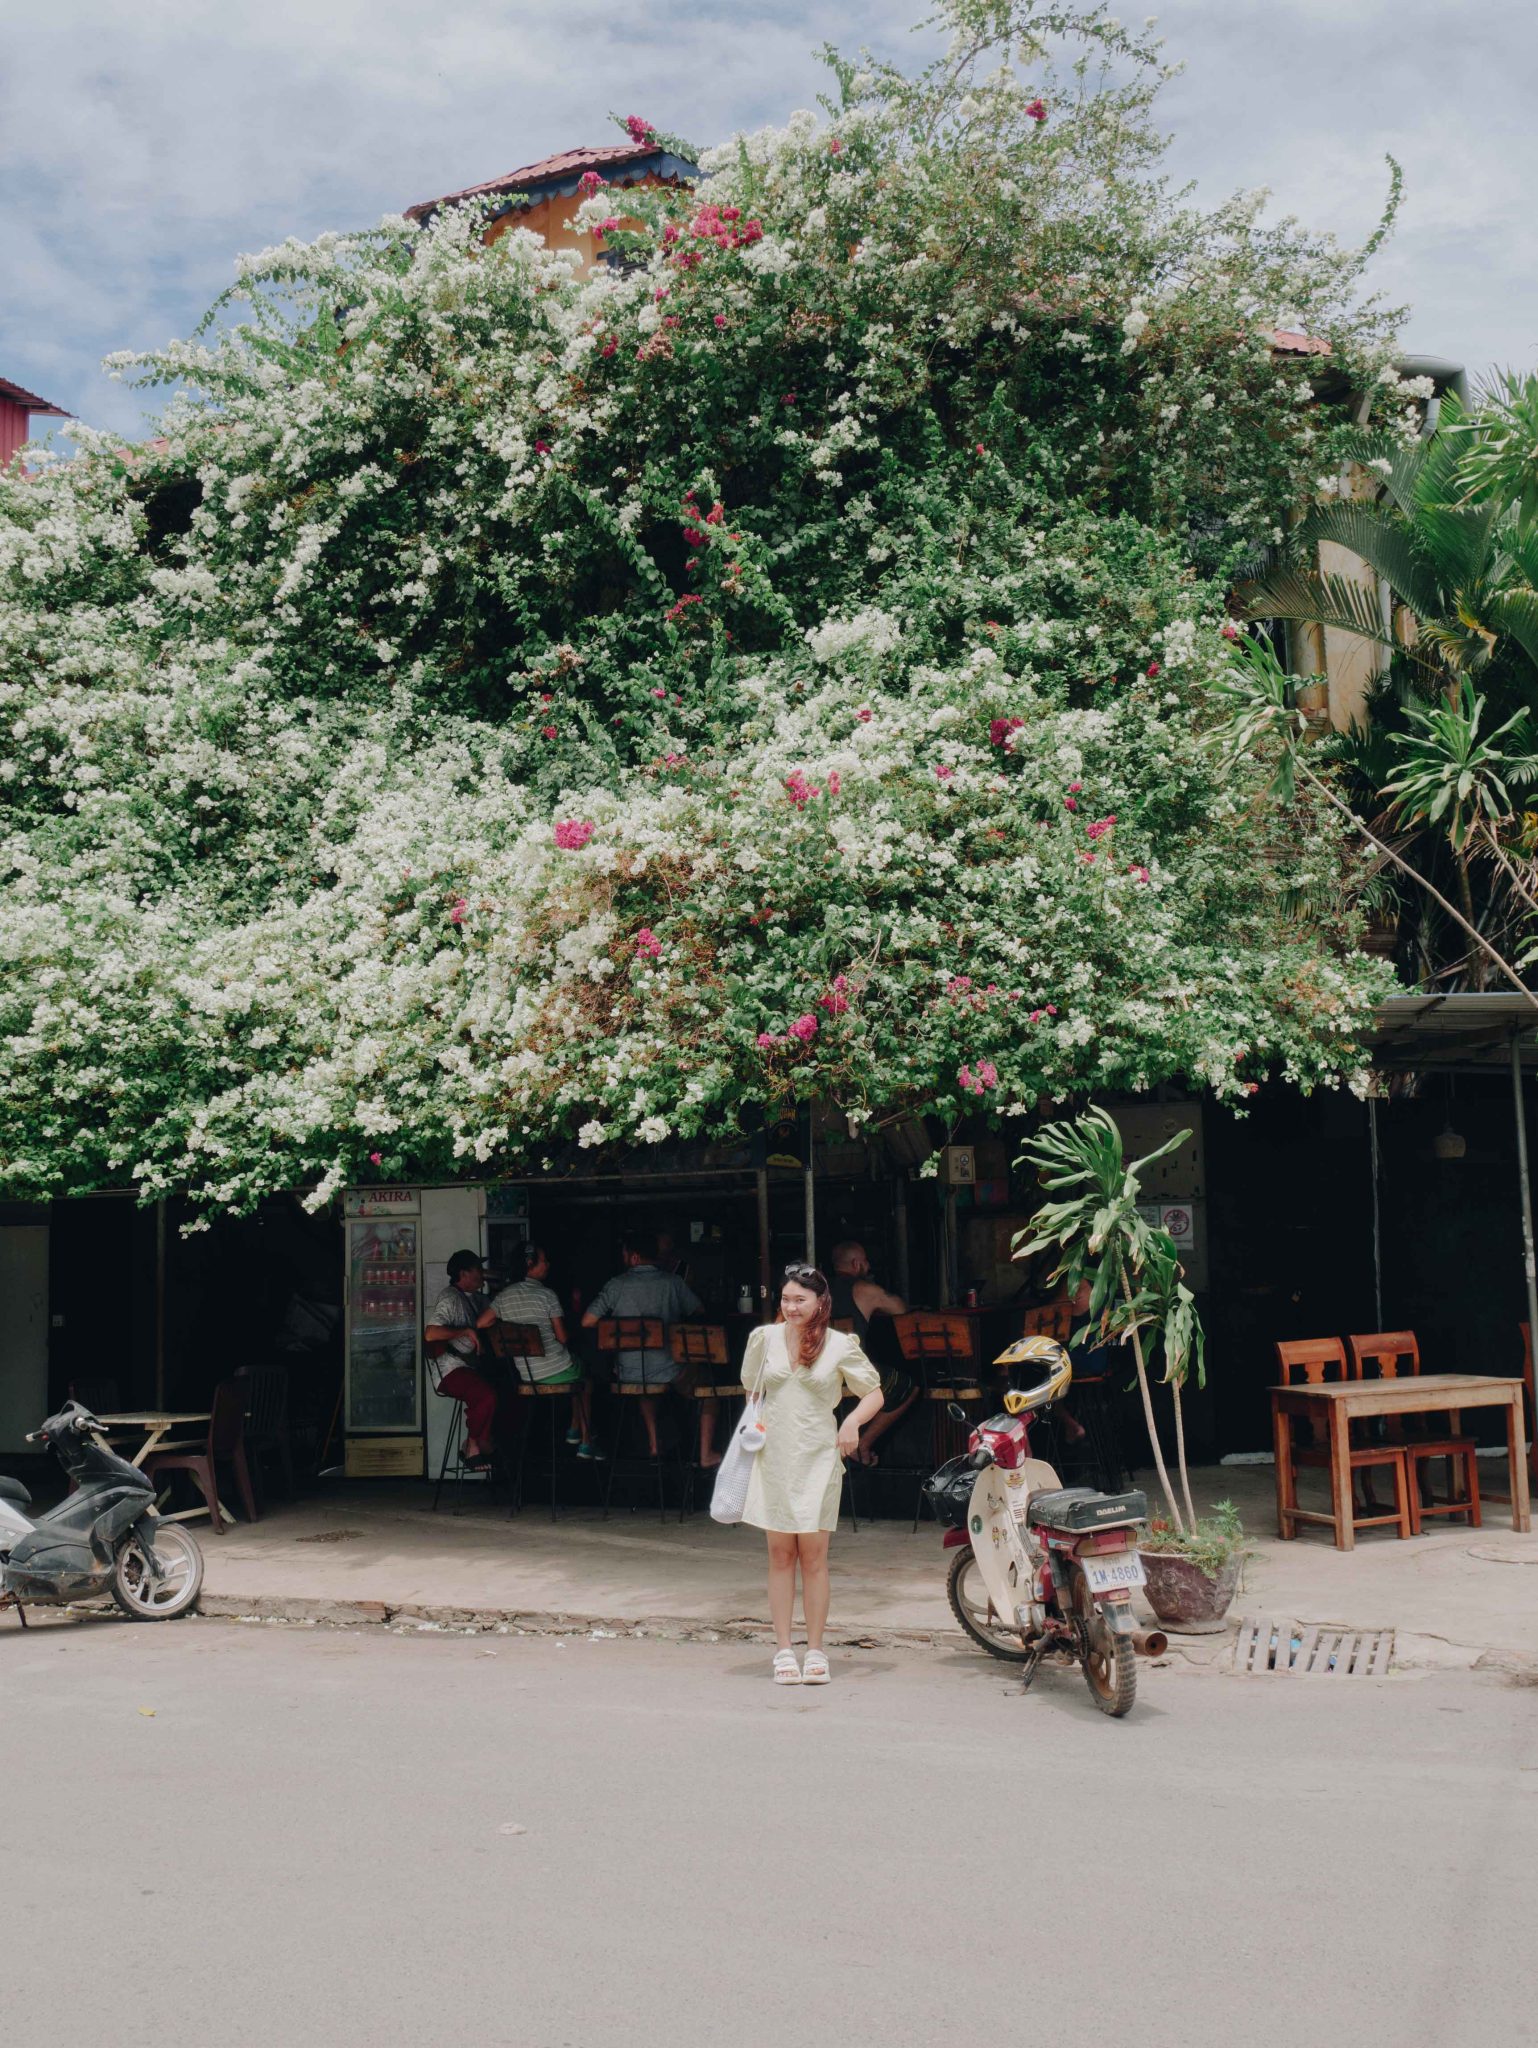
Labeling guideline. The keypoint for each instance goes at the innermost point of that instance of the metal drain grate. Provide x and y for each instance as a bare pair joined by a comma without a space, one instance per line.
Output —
1290,1650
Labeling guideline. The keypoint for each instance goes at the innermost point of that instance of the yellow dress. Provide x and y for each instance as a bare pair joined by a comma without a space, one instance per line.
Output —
796,1478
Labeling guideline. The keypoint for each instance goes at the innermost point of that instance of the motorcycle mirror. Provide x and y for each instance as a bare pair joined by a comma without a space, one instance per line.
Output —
956,1412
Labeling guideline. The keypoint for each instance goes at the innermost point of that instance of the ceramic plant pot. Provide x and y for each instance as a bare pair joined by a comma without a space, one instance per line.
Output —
1183,1595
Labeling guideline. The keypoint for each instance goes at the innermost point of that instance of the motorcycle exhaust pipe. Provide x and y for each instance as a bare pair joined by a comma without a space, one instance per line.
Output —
1150,1642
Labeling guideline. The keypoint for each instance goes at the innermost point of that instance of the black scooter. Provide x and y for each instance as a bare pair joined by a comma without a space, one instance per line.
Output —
105,1537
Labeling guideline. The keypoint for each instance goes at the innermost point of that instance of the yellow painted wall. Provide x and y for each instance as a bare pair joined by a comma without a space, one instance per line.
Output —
548,217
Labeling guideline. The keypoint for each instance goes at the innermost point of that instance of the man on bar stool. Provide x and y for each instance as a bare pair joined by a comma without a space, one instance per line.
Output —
451,1322
859,1298
643,1290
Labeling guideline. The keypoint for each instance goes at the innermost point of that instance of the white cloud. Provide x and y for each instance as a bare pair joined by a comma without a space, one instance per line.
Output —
141,148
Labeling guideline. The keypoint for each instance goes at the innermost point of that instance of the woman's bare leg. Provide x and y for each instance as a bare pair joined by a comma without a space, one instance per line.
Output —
814,1584
782,1585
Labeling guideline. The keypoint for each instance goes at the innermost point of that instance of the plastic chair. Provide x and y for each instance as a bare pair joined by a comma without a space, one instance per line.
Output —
1318,1362
517,1343
224,1445
1395,1355
647,1335
267,1421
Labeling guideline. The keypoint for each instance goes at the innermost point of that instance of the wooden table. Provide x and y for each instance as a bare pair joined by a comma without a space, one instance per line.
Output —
159,1423
1342,1402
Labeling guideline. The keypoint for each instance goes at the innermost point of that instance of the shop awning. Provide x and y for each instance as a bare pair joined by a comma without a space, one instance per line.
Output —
1416,1033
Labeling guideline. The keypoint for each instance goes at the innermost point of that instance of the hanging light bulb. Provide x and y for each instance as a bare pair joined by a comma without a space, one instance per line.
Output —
1448,1143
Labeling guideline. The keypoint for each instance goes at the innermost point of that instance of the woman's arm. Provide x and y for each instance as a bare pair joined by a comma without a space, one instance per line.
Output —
865,1408
558,1325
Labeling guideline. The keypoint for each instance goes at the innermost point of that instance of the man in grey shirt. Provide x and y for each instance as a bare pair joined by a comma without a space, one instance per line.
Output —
642,1289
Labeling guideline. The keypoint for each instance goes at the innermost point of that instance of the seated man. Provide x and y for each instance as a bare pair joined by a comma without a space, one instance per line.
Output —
451,1325
858,1298
532,1302
643,1289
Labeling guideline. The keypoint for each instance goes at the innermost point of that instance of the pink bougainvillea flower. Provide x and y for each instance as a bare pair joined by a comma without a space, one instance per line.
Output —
589,183
1100,827
944,774
988,1073
1152,669
1000,729
647,945
720,319
609,347
1070,803
958,984
375,1158
980,449
1088,859
458,910
541,447
767,1041
610,226
1074,788
1230,630
804,1028
1052,1009
835,147
572,834
549,731
675,612
1037,1015
1036,109
640,131
1138,873
835,783
865,714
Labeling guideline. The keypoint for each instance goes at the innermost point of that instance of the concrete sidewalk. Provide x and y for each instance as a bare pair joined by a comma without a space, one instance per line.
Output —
370,1554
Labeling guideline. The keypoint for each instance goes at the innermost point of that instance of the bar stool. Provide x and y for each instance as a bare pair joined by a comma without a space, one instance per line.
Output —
1102,1452
516,1343
454,1443
647,1335
1395,1355
701,1348
940,1344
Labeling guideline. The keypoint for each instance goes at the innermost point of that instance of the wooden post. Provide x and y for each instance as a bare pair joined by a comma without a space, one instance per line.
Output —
1530,1274
160,1303
1377,1235
900,1224
765,1312
811,1209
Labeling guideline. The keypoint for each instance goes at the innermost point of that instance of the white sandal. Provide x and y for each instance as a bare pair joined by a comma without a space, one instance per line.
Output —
815,1670
786,1670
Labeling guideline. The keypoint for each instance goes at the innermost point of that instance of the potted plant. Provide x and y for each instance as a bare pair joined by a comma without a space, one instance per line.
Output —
1138,1296
1193,1573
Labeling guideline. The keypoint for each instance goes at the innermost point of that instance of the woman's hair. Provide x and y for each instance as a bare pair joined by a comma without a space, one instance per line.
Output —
810,1337
532,1254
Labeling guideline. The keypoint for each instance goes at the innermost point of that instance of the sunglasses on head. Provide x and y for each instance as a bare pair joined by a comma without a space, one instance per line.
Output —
802,1275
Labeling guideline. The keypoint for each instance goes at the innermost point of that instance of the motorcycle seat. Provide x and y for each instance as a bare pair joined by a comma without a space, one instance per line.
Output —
1080,1508
13,1490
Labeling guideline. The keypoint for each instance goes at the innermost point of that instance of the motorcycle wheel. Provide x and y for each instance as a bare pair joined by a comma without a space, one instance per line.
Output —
971,1606
143,1597
1108,1659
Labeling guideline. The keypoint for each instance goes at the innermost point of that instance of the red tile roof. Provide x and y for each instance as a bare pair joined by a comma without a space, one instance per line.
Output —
1296,344
30,400
556,171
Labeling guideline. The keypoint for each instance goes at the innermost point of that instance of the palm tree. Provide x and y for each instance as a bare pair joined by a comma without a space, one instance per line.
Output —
1131,1269
1464,566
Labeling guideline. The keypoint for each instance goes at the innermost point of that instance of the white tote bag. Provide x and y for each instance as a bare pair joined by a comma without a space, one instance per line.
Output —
730,1494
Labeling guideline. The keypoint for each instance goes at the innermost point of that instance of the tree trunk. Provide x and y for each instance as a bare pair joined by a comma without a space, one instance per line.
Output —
1477,974
1148,1416
1180,1452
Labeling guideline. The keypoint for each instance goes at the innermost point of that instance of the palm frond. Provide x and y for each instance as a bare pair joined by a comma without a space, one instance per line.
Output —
1316,598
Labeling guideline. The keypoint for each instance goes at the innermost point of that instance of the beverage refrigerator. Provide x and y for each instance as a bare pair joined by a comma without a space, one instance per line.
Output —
383,1400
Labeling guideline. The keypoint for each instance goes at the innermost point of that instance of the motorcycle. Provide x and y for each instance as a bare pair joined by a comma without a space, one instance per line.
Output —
104,1537
1042,1569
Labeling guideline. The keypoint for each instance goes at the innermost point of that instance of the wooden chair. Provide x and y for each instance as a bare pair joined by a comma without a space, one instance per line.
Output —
516,1344
1051,1319
1102,1453
267,1422
701,1349
1317,1362
941,1344
1395,1355
224,1445
648,1335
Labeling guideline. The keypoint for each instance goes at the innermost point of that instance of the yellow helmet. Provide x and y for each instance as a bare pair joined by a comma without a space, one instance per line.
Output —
1050,1360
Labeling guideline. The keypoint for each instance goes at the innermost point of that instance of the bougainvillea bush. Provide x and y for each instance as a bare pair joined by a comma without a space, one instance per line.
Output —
507,708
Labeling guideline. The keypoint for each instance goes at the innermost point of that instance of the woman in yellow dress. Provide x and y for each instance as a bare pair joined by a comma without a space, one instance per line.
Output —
793,1490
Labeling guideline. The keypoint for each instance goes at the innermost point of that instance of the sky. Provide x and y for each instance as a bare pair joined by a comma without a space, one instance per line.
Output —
142,147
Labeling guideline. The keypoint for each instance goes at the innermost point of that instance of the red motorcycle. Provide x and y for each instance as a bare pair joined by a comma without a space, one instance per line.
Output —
1042,1569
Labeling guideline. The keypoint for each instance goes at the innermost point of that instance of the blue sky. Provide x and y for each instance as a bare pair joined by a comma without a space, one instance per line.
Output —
143,146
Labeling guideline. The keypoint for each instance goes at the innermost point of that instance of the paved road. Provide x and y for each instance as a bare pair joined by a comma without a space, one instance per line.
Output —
307,1842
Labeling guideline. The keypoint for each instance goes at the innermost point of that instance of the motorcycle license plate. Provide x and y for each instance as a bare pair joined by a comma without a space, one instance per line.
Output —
1115,1574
